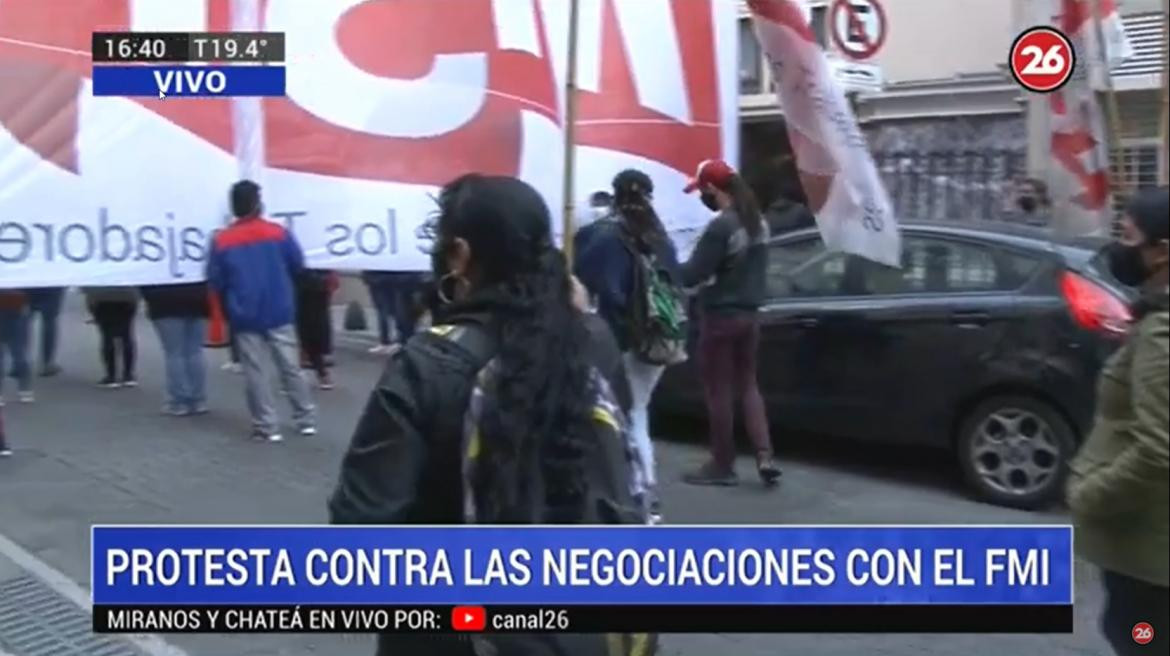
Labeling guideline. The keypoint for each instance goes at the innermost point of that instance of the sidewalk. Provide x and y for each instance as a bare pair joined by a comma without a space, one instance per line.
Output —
86,455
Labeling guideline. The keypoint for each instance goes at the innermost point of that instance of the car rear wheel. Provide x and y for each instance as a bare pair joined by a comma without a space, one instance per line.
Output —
1014,451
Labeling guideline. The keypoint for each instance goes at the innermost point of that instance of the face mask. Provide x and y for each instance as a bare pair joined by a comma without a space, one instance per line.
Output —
1027,204
600,212
1126,265
708,199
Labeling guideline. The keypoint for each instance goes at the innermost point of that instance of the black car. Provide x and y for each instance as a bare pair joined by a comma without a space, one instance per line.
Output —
987,341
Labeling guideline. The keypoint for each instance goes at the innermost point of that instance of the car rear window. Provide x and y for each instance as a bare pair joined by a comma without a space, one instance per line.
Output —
1098,265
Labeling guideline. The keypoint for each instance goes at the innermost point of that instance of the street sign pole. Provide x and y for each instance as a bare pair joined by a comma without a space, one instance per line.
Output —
567,227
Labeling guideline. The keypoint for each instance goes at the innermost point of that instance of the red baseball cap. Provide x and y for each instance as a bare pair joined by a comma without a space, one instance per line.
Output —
711,172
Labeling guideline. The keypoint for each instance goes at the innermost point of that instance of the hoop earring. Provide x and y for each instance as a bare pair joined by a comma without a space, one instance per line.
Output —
441,288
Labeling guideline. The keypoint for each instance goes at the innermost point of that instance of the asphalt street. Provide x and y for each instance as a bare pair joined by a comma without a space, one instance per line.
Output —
86,455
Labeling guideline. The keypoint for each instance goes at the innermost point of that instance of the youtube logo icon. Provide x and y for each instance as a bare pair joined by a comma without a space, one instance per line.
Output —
468,618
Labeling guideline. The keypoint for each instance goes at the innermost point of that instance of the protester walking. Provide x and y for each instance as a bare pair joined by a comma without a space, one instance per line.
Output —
1119,481
252,266
730,265
14,342
113,310
1033,205
789,212
314,321
621,263
5,449
495,415
179,313
600,212
233,364
394,296
45,303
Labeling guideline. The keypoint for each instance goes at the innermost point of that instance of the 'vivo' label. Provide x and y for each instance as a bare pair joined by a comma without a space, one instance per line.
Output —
194,81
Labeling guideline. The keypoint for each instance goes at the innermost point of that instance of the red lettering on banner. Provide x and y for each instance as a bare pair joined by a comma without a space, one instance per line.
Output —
615,119
401,40
45,59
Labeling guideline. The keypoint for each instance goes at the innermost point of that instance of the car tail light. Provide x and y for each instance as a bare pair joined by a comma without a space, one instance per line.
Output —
1093,307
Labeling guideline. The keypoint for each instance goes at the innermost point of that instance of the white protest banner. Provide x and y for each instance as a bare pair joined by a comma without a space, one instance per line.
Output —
386,101
845,193
1079,180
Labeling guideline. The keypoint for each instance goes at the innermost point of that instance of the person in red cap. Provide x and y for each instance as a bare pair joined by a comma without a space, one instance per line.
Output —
730,266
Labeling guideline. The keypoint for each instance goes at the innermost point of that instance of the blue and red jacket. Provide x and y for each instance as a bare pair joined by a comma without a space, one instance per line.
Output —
252,266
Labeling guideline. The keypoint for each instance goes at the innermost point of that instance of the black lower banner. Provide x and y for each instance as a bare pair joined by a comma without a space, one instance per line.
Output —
586,619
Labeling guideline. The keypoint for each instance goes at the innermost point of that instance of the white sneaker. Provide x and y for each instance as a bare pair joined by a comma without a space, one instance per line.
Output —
5,452
260,436
26,396
308,431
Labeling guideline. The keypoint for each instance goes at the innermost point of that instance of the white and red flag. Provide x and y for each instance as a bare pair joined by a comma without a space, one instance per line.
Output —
845,192
1115,44
1079,180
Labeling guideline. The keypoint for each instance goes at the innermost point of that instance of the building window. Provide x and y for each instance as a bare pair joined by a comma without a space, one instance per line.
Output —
819,24
751,63
1137,166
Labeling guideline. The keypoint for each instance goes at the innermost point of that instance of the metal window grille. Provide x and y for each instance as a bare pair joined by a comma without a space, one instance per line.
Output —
1137,167
951,185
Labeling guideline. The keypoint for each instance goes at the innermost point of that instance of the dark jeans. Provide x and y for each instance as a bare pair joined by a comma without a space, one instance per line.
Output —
728,347
1127,602
394,300
115,322
233,347
314,326
46,302
14,344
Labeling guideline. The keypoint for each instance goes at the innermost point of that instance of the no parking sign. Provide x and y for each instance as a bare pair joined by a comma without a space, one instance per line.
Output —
858,27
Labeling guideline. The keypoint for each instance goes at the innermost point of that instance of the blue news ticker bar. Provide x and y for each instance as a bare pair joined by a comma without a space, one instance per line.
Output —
976,543
189,81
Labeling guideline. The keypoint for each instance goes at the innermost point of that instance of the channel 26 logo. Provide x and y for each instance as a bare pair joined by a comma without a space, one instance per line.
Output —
1042,59
1143,633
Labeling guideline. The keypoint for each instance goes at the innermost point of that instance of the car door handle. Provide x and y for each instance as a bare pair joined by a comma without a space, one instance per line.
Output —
804,321
970,319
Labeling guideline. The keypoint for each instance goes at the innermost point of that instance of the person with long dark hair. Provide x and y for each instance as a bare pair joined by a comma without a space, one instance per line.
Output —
730,264
1119,483
605,263
507,317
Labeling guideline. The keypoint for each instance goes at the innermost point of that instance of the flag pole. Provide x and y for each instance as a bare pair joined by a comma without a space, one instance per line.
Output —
1117,180
567,226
